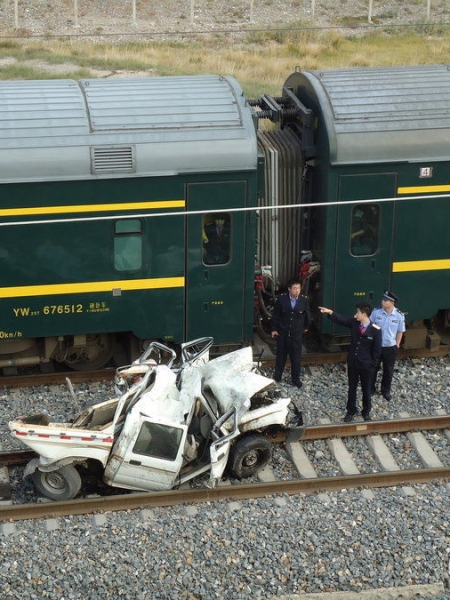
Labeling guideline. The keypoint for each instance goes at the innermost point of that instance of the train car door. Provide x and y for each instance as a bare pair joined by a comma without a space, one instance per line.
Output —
215,261
364,239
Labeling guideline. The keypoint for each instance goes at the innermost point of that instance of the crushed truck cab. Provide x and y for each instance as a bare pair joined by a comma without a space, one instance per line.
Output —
170,423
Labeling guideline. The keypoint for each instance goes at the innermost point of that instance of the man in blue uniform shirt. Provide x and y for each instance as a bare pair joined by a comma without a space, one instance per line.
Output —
291,318
363,356
392,323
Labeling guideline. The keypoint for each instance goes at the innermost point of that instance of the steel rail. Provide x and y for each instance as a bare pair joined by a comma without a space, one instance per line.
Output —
136,500
334,358
315,432
16,457
313,359
359,428
37,379
140,500
362,428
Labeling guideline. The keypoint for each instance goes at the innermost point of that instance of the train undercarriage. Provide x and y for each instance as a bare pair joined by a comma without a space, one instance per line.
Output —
78,352
94,351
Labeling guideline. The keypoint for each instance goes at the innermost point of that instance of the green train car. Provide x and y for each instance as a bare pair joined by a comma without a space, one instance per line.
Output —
132,209
107,190
374,147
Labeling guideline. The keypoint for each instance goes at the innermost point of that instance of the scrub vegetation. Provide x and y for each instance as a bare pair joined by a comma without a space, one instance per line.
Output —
260,60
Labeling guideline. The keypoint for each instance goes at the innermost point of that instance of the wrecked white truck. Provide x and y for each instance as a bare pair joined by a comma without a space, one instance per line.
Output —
169,424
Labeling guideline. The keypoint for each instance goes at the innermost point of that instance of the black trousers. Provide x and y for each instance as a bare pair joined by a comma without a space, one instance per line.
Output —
356,374
387,361
292,347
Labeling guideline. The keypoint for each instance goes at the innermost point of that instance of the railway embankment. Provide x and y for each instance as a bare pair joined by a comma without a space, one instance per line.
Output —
279,546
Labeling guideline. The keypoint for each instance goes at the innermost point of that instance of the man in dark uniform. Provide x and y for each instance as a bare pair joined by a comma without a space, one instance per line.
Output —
363,356
217,241
291,317
392,323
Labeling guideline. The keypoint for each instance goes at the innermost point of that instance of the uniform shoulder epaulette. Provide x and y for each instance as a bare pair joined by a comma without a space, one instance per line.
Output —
399,312
376,326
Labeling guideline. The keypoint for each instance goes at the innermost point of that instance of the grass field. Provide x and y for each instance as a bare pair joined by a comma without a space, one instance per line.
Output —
260,61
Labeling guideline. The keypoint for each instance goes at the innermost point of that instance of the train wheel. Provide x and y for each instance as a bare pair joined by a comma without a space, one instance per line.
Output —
440,324
95,354
249,455
63,484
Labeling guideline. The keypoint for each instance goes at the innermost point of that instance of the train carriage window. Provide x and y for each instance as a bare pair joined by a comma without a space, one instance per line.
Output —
365,226
216,236
128,245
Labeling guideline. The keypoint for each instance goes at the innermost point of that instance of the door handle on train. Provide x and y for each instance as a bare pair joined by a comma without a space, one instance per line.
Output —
137,463
205,307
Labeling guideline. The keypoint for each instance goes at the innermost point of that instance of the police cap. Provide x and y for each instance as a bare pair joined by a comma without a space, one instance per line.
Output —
387,295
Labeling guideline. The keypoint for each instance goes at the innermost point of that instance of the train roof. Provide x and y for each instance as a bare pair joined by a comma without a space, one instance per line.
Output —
386,114
65,129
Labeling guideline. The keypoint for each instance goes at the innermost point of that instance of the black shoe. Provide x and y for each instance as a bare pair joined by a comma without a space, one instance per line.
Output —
297,384
367,417
348,418
277,380
373,391
387,396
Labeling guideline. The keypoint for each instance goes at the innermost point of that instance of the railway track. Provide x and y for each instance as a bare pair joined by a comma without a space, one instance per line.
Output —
308,359
378,467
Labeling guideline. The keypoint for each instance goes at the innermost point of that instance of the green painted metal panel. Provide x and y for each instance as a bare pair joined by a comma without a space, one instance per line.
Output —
381,133
421,258
362,273
217,294
60,278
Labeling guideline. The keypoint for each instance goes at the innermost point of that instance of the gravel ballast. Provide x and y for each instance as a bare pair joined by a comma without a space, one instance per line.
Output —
265,548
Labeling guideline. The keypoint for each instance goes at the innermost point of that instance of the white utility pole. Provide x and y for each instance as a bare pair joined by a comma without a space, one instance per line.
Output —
75,10
16,14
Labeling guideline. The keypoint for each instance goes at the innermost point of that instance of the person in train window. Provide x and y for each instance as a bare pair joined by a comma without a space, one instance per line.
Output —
392,323
216,240
290,319
365,226
363,355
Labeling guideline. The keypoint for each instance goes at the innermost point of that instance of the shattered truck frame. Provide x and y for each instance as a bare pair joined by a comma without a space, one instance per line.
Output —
170,423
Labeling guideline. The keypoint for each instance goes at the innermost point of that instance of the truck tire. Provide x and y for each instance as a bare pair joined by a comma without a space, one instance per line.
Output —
63,484
249,455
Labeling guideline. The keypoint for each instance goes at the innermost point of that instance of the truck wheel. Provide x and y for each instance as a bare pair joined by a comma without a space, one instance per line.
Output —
63,484
249,455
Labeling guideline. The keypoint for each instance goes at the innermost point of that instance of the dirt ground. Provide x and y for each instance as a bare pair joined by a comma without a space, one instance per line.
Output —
163,19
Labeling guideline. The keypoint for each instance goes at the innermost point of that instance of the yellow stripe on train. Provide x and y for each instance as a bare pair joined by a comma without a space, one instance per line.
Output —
90,208
421,189
421,265
92,287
